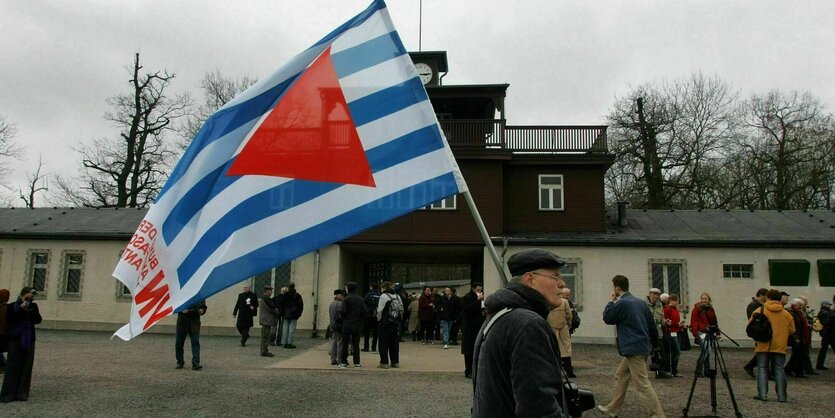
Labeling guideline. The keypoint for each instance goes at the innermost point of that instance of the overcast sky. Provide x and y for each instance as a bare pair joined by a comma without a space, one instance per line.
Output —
565,61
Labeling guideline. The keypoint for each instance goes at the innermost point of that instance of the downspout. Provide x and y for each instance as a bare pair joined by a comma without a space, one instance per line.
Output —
315,293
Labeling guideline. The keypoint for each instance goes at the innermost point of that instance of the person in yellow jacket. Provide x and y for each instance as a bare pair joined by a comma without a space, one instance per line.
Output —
773,352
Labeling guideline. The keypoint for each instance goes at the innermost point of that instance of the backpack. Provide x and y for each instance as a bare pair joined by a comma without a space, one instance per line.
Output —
575,320
393,311
759,328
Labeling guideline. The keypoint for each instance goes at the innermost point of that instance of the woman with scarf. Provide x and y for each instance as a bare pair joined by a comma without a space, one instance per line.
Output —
21,318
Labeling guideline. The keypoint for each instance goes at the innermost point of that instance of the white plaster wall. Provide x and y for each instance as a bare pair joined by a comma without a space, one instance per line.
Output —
703,268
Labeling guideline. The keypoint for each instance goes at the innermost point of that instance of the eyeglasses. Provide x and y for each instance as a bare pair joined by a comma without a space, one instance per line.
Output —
558,277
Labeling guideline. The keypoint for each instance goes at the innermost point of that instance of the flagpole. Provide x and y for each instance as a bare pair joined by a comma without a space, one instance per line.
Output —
486,237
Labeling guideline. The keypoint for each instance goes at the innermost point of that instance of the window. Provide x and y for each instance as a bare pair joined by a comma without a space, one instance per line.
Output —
738,271
826,273
444,204
122,291
788,272
669,276
550,192
277,277
38,270
571,274
72,269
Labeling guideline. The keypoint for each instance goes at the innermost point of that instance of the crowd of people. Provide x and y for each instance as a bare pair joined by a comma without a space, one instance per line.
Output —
521,368
432,316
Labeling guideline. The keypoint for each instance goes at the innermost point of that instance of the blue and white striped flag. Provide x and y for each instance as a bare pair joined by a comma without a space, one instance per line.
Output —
340,139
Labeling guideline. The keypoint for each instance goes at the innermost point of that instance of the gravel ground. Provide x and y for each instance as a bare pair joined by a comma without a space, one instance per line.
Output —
86,374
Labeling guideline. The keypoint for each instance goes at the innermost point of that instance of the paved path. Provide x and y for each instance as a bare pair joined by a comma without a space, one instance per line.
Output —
414,357
85,374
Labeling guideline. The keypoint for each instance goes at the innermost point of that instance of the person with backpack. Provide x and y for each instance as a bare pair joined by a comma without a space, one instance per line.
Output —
826,316
560,321
772,352
372,298
389,314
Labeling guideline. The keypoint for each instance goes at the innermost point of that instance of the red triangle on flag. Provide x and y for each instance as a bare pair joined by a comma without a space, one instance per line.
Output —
308,135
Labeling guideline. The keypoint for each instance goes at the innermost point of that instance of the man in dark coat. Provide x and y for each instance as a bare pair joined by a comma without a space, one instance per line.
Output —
21,318
188,324
472,317
517,358
245,309
826,316
290,306
268,313
351,317
756,303
372,298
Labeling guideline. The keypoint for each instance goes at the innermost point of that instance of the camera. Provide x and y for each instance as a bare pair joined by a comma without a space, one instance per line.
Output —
578,399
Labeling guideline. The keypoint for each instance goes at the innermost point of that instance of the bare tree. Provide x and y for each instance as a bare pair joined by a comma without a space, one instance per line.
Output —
36,182
668,139
8,148
218,90
131,170
791,140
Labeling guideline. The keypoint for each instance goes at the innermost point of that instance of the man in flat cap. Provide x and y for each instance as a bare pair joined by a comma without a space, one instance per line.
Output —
655,306
516,359
268,313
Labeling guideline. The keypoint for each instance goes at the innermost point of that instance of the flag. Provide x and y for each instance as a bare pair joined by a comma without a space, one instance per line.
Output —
340,139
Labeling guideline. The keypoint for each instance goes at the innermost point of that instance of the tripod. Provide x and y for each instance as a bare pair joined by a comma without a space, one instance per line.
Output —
703,364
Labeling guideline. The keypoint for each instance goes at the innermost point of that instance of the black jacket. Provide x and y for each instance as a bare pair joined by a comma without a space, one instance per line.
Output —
290,305
245,309
517,367
372,298
189,318
753,306
352,311
449,308
471,320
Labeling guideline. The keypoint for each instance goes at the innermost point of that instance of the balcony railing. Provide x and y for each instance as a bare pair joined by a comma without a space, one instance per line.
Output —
494,134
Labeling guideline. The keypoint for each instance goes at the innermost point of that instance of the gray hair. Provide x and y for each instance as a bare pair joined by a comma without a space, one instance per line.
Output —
516,279
797,301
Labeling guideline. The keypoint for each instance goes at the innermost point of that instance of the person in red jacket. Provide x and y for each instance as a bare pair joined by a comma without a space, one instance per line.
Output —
674,326
702,317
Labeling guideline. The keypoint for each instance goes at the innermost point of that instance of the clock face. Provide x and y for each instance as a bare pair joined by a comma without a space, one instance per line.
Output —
425,72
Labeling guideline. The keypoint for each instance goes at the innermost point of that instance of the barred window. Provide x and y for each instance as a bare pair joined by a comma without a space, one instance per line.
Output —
277,278
38,269
572,275
72,274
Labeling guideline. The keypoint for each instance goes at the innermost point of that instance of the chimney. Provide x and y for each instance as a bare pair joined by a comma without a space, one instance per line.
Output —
622,213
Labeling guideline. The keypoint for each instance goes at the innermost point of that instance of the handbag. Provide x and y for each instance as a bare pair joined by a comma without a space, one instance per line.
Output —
684,341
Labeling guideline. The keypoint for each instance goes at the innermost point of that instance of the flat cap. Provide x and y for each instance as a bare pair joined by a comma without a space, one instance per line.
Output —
783,293
533,259
655,290
826,302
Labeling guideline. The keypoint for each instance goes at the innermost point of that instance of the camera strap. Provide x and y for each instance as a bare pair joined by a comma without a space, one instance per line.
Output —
489,325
